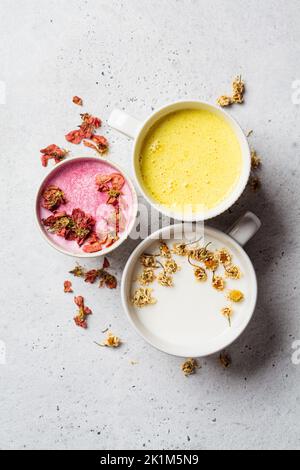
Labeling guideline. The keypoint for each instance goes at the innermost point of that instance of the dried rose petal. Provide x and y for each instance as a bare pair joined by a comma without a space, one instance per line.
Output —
99,143
58,223
53,197
68,287
86,129
77,100
89,124
117,181
83,312
112,185
113,181
52,151
76,226
111,282
79,301
45,159
91,276
102,183
113,196
75,137
79,321
111,240
106,263
94,244
89,144
83,226
107,280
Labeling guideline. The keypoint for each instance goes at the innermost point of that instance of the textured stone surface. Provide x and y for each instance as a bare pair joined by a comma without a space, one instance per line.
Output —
57,389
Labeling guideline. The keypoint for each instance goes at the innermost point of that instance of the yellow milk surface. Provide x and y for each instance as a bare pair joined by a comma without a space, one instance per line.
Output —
190,157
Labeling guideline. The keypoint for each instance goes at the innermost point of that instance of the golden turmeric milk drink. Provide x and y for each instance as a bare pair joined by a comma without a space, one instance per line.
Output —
192,158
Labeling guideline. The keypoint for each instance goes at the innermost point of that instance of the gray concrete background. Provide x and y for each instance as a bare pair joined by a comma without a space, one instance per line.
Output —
57,389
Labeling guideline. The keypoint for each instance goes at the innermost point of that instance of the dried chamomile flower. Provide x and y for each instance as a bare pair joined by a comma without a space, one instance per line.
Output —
218,283
224,256
211,262
225,360
227,312
148,261
238,87
165,251
255,160
235,296
238,90
143,297
165,279
200,254
224,101
147,277
254,183
200,274
180,249
111,341
171,266
233,272
189,367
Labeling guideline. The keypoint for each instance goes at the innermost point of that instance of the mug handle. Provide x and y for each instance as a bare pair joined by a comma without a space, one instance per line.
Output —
124,123
245,228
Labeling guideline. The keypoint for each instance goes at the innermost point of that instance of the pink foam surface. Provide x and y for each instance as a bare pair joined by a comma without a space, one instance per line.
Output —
77,180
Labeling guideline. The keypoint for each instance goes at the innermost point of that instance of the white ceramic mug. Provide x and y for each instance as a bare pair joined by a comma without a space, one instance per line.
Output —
178,326
137,130
43,231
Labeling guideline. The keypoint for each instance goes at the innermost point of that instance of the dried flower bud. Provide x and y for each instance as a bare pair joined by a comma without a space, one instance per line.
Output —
200,274
236,296
224,101
255,160
53,197
227,312
68,287
111,341
171,266
147,277
224,256
77,100
189,367
233,272
218,283
143,297
165,279
225,360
